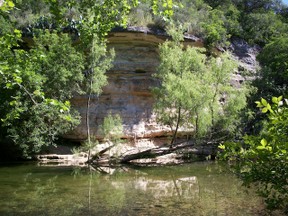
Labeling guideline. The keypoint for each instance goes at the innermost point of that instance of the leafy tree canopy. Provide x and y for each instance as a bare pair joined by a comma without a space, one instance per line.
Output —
263,159
274,57
192,87
37,81
31,112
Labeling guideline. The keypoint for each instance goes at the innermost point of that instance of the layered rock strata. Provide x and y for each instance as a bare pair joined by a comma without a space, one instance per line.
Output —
128,92
130,82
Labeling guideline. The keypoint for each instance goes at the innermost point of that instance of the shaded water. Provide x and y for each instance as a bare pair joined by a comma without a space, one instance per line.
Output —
191,189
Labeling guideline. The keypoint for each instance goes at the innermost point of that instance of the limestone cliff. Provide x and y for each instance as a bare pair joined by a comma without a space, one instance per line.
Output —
130,81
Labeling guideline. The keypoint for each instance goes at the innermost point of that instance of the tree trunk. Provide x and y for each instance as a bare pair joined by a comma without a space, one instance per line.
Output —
212,111
177,126
88,121
197,124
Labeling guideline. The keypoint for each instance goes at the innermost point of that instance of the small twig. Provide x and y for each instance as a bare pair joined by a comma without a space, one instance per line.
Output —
28,93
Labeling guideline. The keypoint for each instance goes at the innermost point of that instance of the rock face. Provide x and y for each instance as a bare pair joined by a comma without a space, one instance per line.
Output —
129,90
245,54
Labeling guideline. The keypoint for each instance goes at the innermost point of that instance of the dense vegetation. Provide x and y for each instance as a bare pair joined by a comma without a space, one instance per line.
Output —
197,109
51,50
216,21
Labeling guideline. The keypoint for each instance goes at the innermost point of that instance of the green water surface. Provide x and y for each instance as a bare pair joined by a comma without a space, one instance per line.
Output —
190,189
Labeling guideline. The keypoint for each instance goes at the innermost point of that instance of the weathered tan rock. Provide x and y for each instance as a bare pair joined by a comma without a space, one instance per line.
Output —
130,81
129,90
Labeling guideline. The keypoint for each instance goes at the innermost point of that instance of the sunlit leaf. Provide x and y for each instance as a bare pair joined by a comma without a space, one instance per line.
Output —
264,110
10,3
260,147
280,98
259,104
221,146
275,100
263,142
264,102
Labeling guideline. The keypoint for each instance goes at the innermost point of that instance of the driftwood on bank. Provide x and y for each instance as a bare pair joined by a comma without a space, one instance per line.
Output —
179,148
189,147
99,154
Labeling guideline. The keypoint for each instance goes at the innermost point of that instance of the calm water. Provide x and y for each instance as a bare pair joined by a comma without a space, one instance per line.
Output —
192,189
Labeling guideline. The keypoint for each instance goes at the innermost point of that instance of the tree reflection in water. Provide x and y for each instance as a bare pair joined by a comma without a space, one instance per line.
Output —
193,189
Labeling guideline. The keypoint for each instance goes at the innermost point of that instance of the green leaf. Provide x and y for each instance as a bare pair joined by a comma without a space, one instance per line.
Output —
280,98
17,32
37,93
18,79
68,118
67,103
275,100
263,142
260,147
269,108
221,146
264,102
8,85
10,4
264,110
259,104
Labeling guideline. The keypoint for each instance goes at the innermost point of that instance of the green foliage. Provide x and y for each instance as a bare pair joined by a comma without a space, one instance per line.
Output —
97,61
257,6
257,22
60,63
231,19
215,31
34,106
274,55
175,97
261,28
86,146
140,15
273,76
40,125
192,87
112,128
191,14
263,159
6,5
274,62
37,83
214,21
28,13
100,18
225,114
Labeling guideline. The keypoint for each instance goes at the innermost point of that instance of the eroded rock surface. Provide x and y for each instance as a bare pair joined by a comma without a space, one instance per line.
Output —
130,81
129,90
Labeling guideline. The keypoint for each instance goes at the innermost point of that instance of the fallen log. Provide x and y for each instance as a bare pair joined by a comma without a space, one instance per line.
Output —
99,154
155,152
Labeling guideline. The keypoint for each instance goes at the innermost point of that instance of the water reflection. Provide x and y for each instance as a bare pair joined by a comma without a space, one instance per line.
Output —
198,189
183,187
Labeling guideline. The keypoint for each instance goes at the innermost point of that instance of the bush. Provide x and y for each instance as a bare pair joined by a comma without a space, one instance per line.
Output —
263,159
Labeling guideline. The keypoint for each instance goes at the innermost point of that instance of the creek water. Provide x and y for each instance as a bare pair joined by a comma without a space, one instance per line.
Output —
205,188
